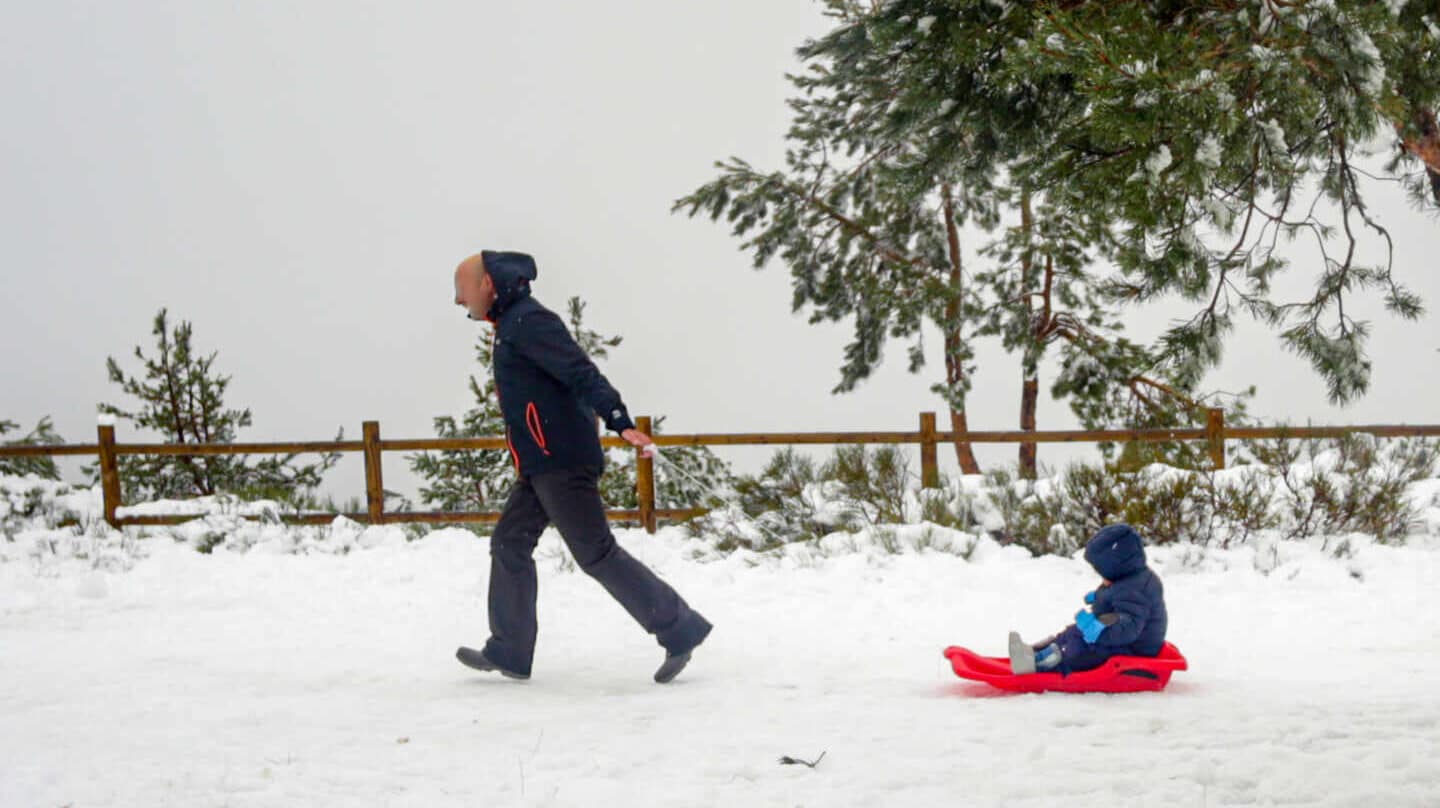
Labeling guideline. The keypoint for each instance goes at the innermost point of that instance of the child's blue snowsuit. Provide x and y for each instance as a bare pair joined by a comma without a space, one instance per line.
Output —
1131,606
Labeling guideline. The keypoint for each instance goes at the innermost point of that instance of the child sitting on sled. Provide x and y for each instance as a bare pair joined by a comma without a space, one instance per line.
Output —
1126,614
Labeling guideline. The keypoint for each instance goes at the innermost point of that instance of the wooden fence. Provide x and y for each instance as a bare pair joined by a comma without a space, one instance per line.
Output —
1215,433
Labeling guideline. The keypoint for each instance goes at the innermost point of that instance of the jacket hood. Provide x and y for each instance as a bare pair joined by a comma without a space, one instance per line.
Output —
1116,552
511,272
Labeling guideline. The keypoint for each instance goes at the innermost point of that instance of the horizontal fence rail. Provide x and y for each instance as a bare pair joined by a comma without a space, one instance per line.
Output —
928,438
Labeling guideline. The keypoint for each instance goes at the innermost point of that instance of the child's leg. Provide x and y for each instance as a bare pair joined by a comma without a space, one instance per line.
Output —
1028,658
1047,653
1047,657
1074,654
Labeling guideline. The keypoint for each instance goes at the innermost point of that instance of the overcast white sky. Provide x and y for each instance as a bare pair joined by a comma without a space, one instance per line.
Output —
299,179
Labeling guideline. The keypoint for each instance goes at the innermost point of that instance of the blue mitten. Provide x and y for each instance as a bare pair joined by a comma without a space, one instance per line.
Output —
1089,597
1089,625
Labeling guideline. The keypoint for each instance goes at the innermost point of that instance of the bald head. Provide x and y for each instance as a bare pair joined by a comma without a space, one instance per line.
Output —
473,287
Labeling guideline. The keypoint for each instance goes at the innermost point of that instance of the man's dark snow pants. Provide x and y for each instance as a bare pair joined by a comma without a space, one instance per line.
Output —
570,499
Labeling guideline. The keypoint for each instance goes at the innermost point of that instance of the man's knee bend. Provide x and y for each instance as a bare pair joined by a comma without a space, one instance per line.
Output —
512,552
592,556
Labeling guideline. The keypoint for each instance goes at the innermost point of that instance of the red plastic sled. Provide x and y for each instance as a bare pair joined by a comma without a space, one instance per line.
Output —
1121,674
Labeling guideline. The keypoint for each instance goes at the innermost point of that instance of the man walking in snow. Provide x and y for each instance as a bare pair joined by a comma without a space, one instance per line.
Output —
550,393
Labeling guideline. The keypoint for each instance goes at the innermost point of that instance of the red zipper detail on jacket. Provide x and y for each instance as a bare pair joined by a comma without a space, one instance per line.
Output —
514,456
537,431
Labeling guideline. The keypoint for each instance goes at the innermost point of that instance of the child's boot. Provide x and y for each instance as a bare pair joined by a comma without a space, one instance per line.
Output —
1022,656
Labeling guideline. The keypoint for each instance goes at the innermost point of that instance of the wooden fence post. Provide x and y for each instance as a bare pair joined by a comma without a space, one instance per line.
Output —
929,464
109,474
645,479
374,481
1215,434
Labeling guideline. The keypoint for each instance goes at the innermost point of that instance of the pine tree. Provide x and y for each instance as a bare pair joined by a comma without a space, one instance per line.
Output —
1174,143
687,477
868,213
182,398
457,480
43,434
867,225
1186,139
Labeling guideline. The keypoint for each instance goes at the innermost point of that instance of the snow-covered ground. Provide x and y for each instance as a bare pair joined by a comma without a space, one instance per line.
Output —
271,677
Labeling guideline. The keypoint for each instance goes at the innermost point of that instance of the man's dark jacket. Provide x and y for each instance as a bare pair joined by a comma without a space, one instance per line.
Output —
550,391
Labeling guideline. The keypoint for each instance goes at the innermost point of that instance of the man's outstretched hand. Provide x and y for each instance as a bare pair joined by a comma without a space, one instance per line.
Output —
639,440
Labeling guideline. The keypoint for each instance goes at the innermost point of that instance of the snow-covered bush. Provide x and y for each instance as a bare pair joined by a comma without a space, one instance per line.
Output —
857,489
30,501
43,434
46,523
1301,489
1331,493
783,504
1355,484
1283,489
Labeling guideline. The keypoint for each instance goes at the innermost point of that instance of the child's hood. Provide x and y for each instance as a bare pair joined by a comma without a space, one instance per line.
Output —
1116,552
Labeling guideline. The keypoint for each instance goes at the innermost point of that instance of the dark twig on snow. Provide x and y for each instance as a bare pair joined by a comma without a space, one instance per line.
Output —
786,760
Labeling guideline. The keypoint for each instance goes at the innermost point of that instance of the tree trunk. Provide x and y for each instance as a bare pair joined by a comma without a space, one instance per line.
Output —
954,360
954,376
1029,393
1038,328
963,452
